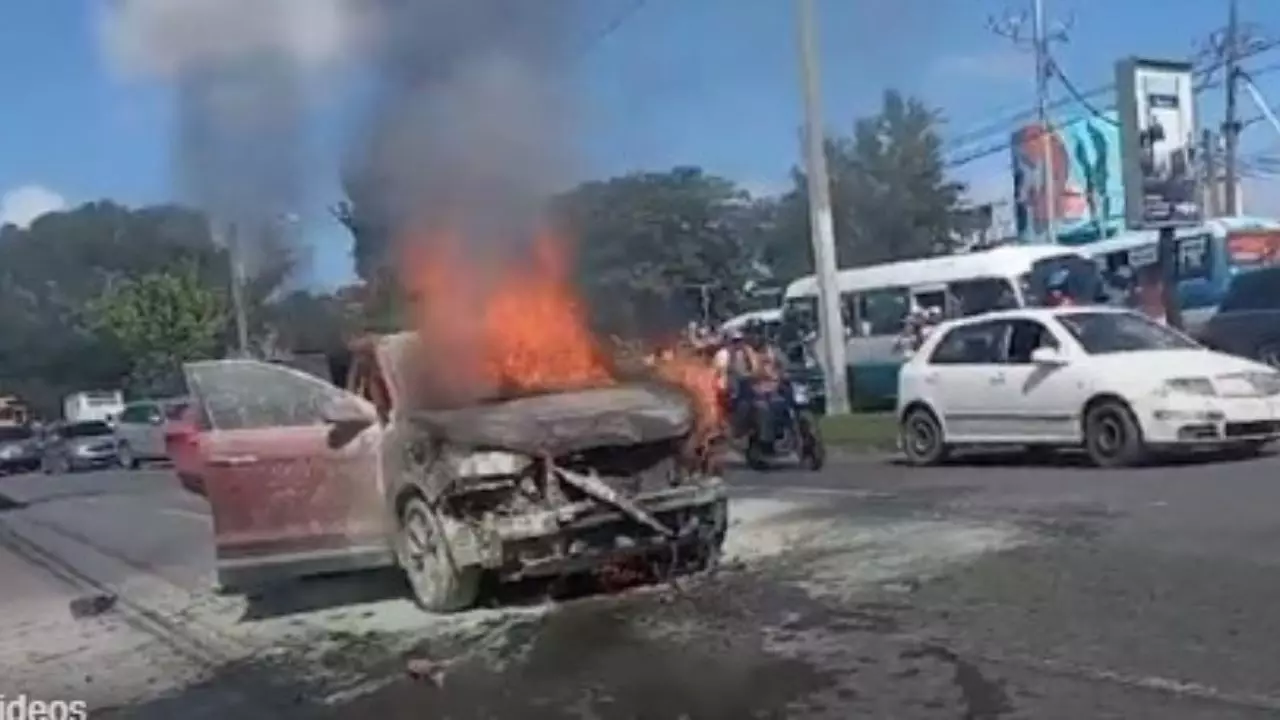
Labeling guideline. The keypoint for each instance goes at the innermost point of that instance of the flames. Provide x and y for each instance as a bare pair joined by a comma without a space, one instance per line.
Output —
506,328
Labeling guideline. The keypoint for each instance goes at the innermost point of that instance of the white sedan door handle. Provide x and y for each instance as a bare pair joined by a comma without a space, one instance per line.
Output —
997,379
233,460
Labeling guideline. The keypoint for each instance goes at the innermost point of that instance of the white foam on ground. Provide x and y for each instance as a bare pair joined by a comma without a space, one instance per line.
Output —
840,555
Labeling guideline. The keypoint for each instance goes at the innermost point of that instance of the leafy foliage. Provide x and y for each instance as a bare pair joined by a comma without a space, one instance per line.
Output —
159,321
890,197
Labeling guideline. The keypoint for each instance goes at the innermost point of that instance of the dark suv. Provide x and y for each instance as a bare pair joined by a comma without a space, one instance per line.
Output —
1247,322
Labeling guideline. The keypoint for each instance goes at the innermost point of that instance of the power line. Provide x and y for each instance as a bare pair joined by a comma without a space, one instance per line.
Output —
614,24
1206,83
1010,123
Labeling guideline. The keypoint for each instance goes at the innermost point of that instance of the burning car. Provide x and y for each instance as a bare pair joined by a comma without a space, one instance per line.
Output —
304,477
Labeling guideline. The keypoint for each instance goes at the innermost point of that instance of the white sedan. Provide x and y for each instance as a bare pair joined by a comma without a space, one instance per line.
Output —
1111,381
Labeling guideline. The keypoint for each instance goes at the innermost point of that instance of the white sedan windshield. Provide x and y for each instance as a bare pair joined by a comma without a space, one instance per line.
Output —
1101,333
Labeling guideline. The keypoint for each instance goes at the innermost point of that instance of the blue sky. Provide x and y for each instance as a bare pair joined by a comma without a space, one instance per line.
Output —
709,82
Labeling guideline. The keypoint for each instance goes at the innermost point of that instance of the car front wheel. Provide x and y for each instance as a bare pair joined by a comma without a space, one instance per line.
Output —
922,439
437,582
1112,437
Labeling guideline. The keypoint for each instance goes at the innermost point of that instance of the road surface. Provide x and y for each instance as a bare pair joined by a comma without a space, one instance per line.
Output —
870,590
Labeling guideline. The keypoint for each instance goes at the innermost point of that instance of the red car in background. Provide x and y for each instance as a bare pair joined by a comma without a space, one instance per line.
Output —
182,444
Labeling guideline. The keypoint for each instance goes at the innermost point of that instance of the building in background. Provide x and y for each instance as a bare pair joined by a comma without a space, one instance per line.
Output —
1087,181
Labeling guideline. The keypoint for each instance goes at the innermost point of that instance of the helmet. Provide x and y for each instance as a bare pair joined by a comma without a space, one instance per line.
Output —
1058,279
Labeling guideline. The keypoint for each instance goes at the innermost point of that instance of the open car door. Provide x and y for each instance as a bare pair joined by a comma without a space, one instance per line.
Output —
290,466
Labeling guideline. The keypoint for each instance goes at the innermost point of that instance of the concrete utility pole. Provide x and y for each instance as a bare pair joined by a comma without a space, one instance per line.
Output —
821,225
1231,123
1011,27
1209,168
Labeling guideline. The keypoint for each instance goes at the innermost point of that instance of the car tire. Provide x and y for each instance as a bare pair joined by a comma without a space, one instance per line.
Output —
125,457
922,438
1112,436
436,582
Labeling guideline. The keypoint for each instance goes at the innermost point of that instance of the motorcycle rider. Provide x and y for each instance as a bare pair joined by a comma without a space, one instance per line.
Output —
1058,292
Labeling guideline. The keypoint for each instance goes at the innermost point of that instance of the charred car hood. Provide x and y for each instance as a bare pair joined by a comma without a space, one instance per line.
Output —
566,422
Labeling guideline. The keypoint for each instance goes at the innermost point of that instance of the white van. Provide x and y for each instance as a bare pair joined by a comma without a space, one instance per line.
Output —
104,405
875,300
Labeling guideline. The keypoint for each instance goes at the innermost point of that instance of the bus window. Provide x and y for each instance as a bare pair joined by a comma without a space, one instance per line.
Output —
973,297
1194,259
884,312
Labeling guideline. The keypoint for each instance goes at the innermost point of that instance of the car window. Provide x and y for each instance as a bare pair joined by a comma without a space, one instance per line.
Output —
1101,333
9,434
238,394
977,344
883,312
140,413
85,429
1254,290
1025,337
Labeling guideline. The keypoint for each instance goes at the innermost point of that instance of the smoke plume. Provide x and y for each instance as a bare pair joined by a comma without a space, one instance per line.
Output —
468,125
239,70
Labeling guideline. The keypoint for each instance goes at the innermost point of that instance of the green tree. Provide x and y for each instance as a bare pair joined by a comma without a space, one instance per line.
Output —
652,246
890,196
160,320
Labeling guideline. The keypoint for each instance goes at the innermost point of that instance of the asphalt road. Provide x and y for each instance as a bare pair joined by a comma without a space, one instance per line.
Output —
870,590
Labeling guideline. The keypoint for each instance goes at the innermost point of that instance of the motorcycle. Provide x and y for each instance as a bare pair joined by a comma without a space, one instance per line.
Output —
781,424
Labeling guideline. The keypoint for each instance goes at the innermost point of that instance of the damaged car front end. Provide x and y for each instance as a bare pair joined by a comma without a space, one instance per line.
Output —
554,485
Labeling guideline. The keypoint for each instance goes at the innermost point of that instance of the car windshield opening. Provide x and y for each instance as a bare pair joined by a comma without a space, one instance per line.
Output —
86,429
9,434
1100,333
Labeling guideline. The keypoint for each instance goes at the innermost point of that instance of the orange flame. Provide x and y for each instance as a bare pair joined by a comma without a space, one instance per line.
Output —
513,328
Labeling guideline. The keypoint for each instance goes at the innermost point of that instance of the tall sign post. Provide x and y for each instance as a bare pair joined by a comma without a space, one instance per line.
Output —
1158,137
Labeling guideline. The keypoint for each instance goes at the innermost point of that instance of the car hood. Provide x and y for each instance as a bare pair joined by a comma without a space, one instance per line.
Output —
1153,367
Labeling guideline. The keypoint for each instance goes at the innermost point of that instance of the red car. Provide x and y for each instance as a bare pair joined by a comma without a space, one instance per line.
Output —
182,445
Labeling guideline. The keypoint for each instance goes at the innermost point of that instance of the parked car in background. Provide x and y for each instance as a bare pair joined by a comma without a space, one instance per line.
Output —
19,449
1247,322
1113,382
140,430
79,446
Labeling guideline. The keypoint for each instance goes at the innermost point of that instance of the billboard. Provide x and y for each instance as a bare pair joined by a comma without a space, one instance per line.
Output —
1156,102
1087,184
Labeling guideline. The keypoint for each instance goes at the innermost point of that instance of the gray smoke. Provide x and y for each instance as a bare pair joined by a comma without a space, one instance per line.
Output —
239,71
470,126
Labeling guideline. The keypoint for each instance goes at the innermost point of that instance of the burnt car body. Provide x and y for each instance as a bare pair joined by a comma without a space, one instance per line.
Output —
73,446
1247,323
307,478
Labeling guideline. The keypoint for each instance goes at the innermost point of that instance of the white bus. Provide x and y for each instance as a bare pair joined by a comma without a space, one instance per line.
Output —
876,300
104,405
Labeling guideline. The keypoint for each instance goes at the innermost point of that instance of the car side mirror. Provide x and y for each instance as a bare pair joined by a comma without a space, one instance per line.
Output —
1048,357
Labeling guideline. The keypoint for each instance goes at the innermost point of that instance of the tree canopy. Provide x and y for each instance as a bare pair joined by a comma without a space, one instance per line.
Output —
158,321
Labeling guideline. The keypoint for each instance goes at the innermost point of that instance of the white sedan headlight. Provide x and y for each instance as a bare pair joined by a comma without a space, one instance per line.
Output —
1190,386
1266,383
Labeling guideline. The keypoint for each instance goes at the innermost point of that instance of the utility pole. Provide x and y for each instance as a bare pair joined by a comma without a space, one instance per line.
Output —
821,224
1209,168
235,257
1231,124
1011,27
